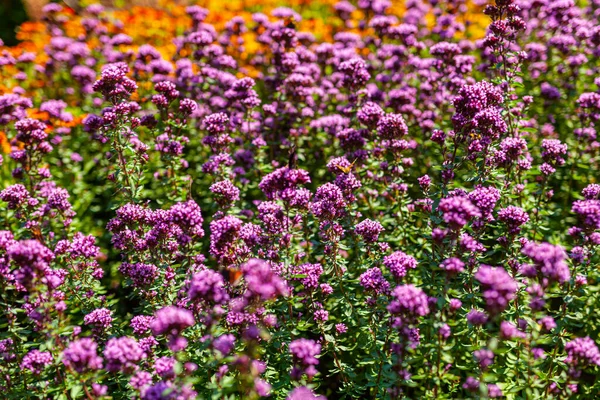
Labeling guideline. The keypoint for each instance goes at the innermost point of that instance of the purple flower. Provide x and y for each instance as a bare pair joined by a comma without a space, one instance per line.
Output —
373,280
262,281
508,330
588,212
452,265
457,211
208,285
477,109
171,320
30,131
100,318
409,301
55,108
455,304
224,344
538,353
398,263
224,233
471,384
187,106
226,193
283,182
311,274
32,257
15,195
99,390
445,331
6,350
216,123
321,315
304,393
424,181
123,354
273,217
304,353
553,150
36,361
113,83
549,261
485,199
159,391
165,367
514,218
582,352
262,388
13,107
494,391
475,317
498,287
188,216
370,114
591,191
328,203
547,323
511,149
392,126
549,92
141,274
140,380
369,230
81,355
485,357
354,72
141,324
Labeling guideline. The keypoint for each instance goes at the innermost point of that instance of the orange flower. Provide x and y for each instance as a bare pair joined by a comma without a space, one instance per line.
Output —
4,143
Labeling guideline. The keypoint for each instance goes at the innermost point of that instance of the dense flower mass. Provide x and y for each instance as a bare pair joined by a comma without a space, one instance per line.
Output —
344,199
582,352
498,287
81,355
304,352
409,301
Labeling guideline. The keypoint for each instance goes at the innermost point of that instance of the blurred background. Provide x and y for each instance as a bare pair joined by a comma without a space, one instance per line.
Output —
14,12
159,16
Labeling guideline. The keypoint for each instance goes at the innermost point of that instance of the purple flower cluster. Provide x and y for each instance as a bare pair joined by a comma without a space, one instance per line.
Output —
138,228
304,353
122,354
514,217
478,108
453,265
262,281
81,355
458,211
36,361
373,281
323,167
114,84
409,301
549,262
100,318
310,274
582,352
208,285
369,230
171,321
283,183
399,263
497,286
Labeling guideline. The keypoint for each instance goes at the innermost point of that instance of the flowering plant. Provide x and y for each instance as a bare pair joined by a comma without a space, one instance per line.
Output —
396,210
